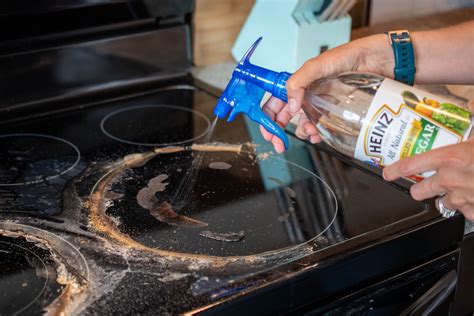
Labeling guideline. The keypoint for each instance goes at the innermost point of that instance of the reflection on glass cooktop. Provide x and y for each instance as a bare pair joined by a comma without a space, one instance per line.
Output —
134,190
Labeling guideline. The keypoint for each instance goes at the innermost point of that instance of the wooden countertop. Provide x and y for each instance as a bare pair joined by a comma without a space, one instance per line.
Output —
428,22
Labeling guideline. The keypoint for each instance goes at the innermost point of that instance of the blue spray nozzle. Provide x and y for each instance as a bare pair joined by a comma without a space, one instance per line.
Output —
245,91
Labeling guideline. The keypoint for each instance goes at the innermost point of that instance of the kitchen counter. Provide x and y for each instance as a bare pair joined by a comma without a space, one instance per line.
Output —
216,75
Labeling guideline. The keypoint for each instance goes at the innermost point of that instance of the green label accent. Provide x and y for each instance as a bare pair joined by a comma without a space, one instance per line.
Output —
426,138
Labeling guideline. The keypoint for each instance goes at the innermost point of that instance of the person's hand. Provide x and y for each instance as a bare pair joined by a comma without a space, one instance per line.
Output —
369,54
454,166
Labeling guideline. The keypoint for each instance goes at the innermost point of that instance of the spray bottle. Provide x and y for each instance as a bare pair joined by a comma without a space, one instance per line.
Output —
363,115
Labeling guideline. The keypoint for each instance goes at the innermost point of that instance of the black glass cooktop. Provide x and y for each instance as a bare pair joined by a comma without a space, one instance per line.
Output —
26,278
158,207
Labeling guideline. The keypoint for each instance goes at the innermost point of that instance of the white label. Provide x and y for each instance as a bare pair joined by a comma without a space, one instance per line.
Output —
402,121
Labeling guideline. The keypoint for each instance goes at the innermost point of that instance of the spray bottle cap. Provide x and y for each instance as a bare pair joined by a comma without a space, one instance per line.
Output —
245,91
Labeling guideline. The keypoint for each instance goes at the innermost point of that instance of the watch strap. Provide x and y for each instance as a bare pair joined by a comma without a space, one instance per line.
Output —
404,70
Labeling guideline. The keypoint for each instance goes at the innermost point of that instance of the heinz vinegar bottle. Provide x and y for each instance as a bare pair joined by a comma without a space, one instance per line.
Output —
379,120
362,115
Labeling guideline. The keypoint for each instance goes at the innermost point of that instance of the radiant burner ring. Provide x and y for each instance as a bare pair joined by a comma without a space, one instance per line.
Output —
105,224
163,106
65,255
74,164
45,270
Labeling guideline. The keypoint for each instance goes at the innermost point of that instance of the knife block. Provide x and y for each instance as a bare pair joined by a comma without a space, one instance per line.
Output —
291,33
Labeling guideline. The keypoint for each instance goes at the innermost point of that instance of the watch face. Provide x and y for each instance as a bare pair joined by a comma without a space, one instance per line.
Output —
399,32
398,35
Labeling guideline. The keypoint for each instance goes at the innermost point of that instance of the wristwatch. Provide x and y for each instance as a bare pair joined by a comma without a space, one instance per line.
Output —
404,70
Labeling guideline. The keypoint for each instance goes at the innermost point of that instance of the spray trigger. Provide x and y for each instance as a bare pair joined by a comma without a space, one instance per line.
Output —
245,91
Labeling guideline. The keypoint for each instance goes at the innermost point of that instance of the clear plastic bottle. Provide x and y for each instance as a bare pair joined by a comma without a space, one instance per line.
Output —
380,121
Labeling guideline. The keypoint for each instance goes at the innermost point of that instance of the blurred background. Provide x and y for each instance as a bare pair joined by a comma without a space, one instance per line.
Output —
217,23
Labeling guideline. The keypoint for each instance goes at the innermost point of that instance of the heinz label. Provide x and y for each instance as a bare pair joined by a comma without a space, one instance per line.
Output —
402,121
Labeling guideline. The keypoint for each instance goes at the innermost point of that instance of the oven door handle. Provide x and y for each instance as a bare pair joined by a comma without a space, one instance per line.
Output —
434,297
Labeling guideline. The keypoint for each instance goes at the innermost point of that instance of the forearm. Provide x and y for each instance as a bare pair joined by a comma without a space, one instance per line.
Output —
445,55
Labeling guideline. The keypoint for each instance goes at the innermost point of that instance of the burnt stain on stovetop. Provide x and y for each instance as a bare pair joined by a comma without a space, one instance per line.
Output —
119,267
220,165
227,237
70,267
102,222
163,210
